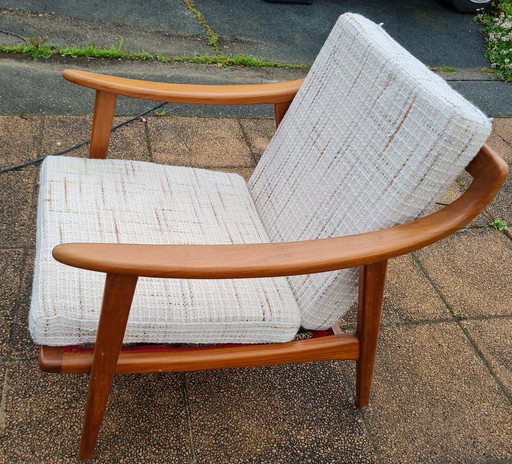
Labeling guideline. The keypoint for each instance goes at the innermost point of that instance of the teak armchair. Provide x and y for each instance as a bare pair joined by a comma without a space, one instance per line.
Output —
370,141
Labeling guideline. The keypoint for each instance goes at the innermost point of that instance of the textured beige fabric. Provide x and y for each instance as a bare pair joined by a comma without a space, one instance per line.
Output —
133,202
371,140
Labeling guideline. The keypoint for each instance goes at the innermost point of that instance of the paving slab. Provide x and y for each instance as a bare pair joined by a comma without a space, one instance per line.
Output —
21,345
62,132
127,142
17,208
20,139
258,133
408,296
499,144
204,142
146,419
470,270
276,414
492,337
434,400
11,272
503,127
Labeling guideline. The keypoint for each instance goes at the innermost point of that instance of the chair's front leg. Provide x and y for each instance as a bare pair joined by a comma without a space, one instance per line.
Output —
117,299
371,291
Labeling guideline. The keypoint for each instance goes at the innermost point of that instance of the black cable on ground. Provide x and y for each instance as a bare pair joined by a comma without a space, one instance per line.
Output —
78,145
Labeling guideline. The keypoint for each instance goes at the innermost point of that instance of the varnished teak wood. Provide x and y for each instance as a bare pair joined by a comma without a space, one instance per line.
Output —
117,299
104,107
371,292
338,346
124,263
291,258
246,94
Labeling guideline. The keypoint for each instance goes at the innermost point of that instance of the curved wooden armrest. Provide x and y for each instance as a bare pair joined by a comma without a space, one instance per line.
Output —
187,93
291,258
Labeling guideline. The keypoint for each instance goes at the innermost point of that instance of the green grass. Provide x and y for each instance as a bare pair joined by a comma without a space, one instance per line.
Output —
443,68
44,50
497,31
211,37
499,224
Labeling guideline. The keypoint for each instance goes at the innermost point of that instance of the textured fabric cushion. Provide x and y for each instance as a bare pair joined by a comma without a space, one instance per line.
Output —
371,140
133,202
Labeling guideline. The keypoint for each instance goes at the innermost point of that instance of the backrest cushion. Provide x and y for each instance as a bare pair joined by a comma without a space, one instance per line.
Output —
372,139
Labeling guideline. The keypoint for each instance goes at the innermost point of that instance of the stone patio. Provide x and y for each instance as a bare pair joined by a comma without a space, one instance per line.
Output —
443,381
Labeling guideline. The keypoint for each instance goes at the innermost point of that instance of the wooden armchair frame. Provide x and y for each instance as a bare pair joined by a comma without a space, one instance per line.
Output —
123,263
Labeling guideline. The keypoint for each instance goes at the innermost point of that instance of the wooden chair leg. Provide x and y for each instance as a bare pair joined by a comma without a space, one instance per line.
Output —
280,110
371,291
117,299
104,106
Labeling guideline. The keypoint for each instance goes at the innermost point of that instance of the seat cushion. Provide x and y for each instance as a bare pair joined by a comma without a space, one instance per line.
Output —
115,201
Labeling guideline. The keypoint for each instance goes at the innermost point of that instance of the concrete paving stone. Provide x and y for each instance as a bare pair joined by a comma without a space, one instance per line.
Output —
503,127
408,296
501,206
145,421
11,272
433,400
471,272
499,142
17,208
20,139
455,191
276,414
126,142
60,132
129,141
258,133
492,337
20,344
198,142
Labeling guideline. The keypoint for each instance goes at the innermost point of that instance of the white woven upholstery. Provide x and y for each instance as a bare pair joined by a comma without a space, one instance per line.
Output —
133,202
371,140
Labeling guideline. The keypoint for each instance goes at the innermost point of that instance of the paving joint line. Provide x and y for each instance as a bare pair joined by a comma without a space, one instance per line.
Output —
17,303
466,332
247,142
371,436
3,401
148,143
